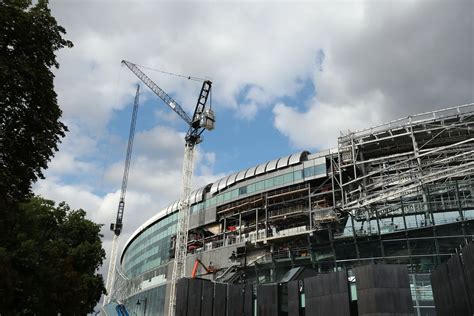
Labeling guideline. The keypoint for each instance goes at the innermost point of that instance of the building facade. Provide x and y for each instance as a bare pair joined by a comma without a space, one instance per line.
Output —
401,192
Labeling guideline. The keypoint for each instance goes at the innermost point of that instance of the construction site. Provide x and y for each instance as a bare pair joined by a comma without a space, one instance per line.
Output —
397,193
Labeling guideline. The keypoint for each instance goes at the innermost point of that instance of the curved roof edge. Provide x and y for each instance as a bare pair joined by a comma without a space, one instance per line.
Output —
215,187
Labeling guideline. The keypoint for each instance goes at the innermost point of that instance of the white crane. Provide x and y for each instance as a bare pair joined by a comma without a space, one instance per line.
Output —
117,227
202,119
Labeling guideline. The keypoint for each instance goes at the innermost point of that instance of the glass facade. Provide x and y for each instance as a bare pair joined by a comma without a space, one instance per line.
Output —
151,248
260,186
151,302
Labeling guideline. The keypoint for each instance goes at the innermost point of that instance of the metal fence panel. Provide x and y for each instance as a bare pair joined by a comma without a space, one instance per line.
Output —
267,300
383,289
182,297
207,298
327,294
235,300
458,286
294,303
220,301
248,300
468,262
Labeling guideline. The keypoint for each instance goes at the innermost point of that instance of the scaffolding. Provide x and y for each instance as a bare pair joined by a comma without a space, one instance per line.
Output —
379,165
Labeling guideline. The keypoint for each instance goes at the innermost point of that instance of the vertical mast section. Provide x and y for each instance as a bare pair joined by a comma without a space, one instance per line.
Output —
111,271
117,227
179,264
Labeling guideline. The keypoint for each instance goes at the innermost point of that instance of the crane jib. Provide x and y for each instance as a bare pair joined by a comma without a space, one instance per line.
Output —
158,91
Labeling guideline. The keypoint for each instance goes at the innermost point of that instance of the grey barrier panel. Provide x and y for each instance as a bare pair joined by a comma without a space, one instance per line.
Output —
220,295
194,297
468,261
207,298
248,300
458,286
294,304
383,289
442,291
327,294
235,300
182,297
267,300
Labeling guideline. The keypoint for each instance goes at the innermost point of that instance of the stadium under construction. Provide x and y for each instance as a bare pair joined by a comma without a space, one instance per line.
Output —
400,192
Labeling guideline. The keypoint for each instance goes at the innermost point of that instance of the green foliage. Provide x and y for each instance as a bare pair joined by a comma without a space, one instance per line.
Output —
51,262
30,129
49,255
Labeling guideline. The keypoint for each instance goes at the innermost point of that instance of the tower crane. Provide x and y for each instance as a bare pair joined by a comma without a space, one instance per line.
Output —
203,119
117,227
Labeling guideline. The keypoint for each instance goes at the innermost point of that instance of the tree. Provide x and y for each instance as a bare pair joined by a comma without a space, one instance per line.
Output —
50,264
49,254
30,129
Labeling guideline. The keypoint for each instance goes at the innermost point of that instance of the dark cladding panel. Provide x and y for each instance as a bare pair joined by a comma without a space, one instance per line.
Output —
267,300
248,300
383,288
468,262
458,286
235,300
220,294
207,298
294,304
327,294
442,291
202,218
182,297
194,297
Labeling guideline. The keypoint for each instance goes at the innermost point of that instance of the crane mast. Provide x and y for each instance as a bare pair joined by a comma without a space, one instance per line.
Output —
202,119
117,227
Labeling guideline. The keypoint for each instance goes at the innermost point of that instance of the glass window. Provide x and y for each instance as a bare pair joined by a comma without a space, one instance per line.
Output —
268,183
227,196
278,180
234,193
320,169
308,172
251,188
260,185
288,178
212,201
242,190
219,198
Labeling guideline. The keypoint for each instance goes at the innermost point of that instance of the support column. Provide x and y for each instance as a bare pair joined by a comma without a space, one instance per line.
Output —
406,232
256,224
458,196
355,236
240,226
380,235
309,208
224,230
266,217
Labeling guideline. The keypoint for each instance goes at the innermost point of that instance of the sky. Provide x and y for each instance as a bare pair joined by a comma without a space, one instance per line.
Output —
287,77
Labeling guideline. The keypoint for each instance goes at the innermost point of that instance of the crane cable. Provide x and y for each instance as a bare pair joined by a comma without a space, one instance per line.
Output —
173,74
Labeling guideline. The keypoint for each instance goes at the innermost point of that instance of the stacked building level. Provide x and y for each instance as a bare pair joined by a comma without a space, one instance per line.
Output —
401,192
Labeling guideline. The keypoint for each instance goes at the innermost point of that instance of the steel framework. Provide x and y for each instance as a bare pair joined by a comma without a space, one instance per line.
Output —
378,165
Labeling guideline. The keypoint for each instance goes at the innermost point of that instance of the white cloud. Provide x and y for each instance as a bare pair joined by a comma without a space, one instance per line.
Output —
394,64
270,46
321,124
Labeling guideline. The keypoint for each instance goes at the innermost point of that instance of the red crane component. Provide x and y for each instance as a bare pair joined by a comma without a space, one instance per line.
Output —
209,269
